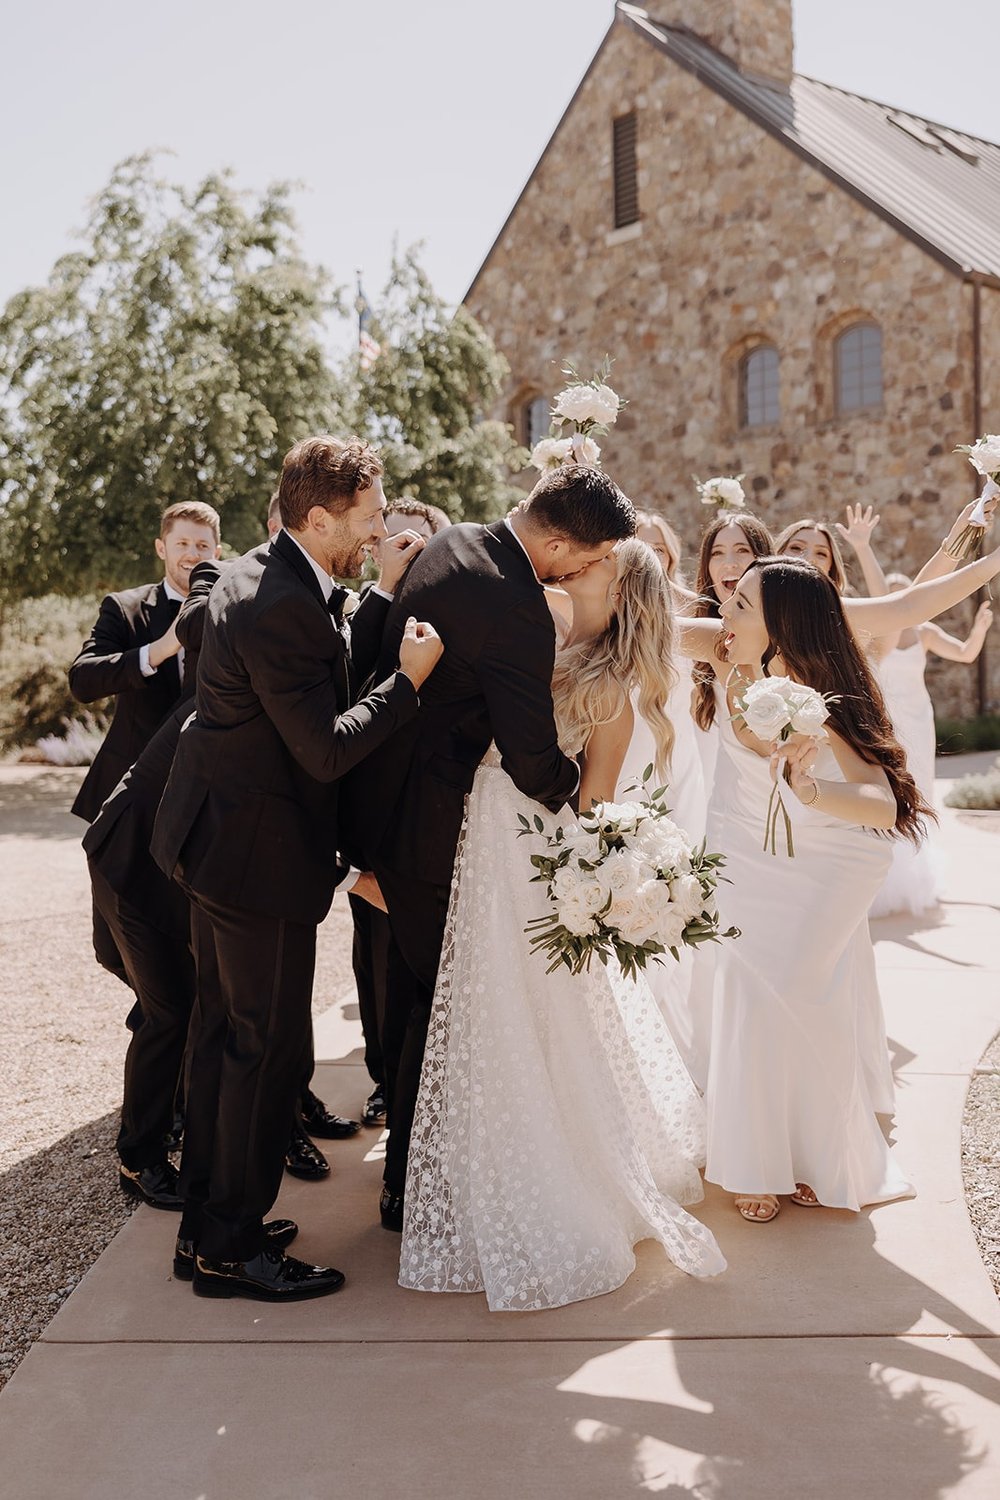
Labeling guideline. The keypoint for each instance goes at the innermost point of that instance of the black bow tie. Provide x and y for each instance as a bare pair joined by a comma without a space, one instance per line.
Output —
335,604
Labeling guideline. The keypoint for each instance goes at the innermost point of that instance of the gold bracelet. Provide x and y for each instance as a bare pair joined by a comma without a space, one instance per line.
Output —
815,797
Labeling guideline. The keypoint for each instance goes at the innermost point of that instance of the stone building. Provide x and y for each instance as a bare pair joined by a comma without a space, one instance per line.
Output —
796,283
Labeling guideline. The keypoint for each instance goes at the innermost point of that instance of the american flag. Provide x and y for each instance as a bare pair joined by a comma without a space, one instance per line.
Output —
369,348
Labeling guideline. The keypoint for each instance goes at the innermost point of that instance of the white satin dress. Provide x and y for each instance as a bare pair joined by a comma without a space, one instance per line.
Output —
795,1075
912,882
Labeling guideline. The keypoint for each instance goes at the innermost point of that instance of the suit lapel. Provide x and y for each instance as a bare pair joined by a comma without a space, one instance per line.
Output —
289,553
503,534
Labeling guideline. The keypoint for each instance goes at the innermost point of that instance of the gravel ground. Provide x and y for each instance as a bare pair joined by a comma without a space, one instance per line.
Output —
981,1159
62,1024
61,1018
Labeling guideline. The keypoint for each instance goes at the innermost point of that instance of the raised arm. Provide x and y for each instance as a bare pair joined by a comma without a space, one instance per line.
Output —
921,601
697,638
296,689
942,562
949,646
515,673
108,663
858,535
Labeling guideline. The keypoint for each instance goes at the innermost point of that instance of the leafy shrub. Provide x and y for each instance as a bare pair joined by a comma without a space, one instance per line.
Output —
981,792
960,736
40,638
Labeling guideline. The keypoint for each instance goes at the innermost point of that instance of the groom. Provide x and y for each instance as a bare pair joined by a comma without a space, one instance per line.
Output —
481,587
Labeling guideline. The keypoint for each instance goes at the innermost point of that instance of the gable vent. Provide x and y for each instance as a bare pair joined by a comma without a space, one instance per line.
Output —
625,171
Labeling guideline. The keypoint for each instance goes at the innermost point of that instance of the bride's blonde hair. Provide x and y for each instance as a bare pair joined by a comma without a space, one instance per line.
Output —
634,654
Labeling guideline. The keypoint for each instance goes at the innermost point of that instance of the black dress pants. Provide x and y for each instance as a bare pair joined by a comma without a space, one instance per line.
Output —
418,912
159,967
250,1036
370,960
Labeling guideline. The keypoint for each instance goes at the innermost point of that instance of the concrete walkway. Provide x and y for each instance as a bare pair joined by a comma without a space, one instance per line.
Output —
840,1356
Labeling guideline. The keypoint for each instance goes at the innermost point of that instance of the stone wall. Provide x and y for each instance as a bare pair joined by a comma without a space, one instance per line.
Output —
755,34
738,240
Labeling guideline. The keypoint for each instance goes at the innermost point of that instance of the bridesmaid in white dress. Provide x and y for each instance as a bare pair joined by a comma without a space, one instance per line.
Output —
911,884
789,1104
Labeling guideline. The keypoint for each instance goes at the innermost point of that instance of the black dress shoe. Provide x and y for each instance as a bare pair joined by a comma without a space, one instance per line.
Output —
374,1110
318,1120
303,1159
267,1277
156,1185
390,1207
280,1232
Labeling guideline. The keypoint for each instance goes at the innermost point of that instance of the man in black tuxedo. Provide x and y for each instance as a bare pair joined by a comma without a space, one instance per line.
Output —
481,587
133,655
249,826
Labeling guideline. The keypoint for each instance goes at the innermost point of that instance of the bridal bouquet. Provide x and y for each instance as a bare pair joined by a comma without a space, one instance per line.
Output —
624,881
984,456
724,490
773,708
586,407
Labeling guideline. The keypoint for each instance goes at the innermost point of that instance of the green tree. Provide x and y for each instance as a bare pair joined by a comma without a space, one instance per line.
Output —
175,356
423,400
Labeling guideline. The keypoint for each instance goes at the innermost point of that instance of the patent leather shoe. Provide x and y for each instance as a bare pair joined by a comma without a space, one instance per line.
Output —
270,1276
303,1159
174,1138
390,1207
374,1110
317,1119
155,1185
279,1232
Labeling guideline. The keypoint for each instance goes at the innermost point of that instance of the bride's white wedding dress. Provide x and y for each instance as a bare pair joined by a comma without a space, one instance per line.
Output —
556,1126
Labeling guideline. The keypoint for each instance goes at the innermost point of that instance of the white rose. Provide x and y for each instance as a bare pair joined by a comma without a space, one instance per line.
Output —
584,449
584,847
575,917
985,455
591,894
623,815
565,884
809,717
606,401
685,894
620,874
642,923
723,490
671,927
551,452
765,714
587,403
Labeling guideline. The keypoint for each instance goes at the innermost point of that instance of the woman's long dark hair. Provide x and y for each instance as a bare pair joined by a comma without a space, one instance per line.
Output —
806,625
762,545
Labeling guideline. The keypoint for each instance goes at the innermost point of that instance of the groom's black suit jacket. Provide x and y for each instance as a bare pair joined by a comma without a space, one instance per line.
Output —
404,804
249,814
108,665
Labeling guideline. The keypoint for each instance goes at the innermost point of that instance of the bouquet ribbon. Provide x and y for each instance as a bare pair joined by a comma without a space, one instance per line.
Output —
979,516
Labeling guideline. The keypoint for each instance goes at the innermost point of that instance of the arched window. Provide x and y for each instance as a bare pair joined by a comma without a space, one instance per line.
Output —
535,421
857,368
759,386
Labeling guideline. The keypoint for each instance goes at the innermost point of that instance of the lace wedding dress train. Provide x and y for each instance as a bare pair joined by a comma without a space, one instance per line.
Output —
556,1125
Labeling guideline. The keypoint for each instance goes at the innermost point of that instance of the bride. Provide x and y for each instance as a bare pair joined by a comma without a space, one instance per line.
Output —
555,1125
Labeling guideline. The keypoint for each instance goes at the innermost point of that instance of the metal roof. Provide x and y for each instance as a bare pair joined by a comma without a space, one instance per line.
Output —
936,185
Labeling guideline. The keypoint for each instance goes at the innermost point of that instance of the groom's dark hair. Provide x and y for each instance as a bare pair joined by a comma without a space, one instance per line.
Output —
579,502
324,471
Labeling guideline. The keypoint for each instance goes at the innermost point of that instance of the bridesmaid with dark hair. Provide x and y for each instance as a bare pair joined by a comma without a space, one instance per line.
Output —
789,1104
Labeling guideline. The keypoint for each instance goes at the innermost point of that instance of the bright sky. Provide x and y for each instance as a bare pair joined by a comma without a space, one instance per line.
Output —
412,118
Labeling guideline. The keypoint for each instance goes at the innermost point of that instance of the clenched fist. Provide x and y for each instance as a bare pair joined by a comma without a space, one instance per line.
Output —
420,651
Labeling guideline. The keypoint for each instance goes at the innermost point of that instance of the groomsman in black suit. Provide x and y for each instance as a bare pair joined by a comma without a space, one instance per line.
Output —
482,588
249,826
133,655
